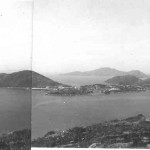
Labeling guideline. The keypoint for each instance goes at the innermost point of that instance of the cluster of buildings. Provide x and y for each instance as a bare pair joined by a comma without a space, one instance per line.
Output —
63,90
107,89
91,89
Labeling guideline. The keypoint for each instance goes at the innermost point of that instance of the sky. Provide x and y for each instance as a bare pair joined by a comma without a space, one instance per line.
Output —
15,35
69,35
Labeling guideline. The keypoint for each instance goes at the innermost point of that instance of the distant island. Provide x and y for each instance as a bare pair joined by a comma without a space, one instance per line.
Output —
117,84
132,132
107,72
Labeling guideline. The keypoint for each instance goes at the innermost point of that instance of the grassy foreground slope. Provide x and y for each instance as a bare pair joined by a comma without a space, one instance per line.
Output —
133,132
17,140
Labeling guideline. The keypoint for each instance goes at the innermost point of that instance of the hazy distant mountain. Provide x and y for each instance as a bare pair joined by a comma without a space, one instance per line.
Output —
98,72
137,73
108,72
74,73
126,80
25,78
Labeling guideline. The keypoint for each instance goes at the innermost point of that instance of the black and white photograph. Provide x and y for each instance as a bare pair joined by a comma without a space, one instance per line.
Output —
74,74
94,58
15,74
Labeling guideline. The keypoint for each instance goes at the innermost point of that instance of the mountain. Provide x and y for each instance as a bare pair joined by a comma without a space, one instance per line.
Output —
126,80
2,75
78,73
108,72
97,72
104,72
39,80
25,78
137,73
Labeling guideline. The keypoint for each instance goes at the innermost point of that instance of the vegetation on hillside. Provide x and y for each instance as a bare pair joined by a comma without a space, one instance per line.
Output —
26,78
125,80
133,132
17,140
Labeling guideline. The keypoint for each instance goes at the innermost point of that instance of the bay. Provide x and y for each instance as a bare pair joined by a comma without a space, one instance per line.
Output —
61,113
15,109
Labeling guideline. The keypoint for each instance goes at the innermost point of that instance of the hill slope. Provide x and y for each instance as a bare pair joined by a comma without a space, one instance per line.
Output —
42,81
137,73
126,80
2,75
17,140
108,72
120,133
145,82
26,78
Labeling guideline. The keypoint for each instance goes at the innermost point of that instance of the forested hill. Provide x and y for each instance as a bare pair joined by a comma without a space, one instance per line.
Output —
26,78
129,80
126,80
